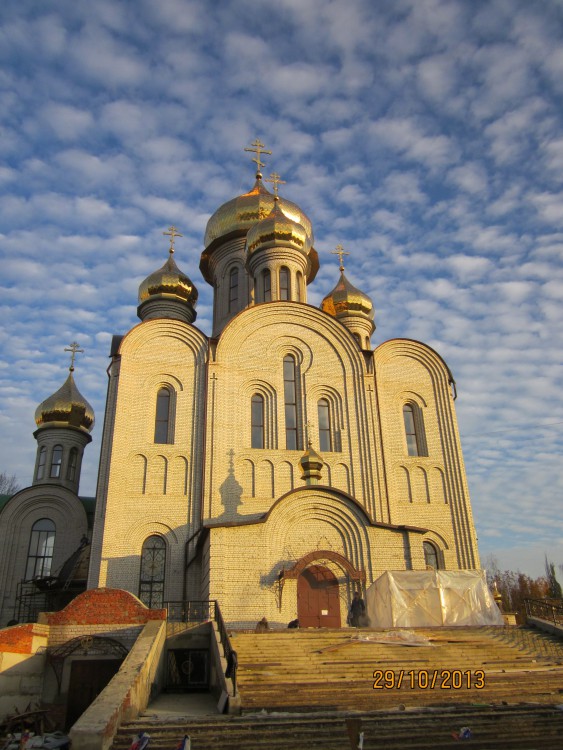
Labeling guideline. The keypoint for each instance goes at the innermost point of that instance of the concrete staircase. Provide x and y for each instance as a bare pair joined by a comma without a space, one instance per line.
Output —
309,689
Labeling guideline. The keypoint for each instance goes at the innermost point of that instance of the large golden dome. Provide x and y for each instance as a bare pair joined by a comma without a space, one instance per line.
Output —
239,214
170,282
277,230
345,299
66,408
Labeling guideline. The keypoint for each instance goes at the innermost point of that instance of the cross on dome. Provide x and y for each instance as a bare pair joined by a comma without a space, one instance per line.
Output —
172,233
340,252
276,180
257,147
75,349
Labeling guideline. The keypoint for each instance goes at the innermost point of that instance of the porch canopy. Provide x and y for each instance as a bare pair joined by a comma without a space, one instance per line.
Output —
429,598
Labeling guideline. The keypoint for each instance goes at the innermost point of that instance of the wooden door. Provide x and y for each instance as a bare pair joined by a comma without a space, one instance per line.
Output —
88,677
318,603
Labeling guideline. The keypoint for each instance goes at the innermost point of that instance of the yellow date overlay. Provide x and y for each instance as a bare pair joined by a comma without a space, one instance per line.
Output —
425,679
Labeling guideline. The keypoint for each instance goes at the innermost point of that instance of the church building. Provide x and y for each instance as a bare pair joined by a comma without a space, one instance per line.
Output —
277,465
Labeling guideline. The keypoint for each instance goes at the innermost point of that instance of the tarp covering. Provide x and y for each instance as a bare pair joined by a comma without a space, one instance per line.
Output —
410,599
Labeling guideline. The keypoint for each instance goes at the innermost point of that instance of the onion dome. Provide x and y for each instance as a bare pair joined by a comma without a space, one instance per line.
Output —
66,408
168,281
346,300
239,214
311,465
277,230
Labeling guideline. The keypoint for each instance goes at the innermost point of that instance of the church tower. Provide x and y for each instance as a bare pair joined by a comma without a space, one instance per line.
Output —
64,422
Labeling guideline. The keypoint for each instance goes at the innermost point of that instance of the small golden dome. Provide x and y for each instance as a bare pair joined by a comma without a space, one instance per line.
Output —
345,299
239,214
66,408
168,281
277,230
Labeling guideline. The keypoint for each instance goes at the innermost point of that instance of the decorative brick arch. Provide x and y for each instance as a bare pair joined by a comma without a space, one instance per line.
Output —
306,560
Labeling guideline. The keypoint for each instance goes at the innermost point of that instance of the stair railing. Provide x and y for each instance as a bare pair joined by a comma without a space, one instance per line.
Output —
546,609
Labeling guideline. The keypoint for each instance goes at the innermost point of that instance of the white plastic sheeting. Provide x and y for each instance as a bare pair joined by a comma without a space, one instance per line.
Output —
410,599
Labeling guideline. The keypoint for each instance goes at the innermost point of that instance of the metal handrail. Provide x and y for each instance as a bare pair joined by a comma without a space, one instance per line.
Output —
545,609
204,610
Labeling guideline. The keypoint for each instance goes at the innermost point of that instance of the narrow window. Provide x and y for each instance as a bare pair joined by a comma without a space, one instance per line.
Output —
163,426
257,421
41,463
233,289
430,556
40,553
72,464
153,567
266,286
325,439
285,291
292,441
410,430
358,339
56,462
298,283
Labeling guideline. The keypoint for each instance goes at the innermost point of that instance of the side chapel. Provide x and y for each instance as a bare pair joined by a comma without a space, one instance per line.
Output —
275,466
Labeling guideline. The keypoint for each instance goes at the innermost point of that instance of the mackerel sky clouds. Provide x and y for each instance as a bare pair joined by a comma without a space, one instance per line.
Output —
424,136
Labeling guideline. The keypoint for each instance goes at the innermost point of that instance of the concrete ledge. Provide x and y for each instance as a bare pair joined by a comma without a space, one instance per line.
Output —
126,695
546,625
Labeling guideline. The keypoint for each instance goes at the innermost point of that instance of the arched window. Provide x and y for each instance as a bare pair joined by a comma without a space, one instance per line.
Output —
358,339
72,464
257,421
41,463
298,285
266,285
414,430
325,437
233,289
285,288
292,437
40,553
164,422
431,557
56,462
153,569
410,430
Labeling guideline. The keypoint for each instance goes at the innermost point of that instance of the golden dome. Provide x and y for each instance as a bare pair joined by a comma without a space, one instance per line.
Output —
169,281
345,299
66,408
275,230
239,214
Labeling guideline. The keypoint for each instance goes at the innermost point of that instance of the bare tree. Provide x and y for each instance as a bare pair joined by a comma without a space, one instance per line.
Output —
8,484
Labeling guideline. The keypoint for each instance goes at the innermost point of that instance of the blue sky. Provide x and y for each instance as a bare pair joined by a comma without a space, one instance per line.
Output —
425,136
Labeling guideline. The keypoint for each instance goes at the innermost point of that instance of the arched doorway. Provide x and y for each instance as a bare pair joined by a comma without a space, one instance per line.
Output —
318,602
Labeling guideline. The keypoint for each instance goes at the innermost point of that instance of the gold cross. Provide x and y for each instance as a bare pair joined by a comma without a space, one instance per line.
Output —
276,180
172,233
74,348
258,148
340,252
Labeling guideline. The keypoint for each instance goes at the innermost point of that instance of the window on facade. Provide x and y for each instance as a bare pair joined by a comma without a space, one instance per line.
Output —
72,464
292,441
298,283
41,463
56,462
284,284
358,339
325,438
40,553
153,568
233,289
163,424
430,555
266,286
410,430
257,421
